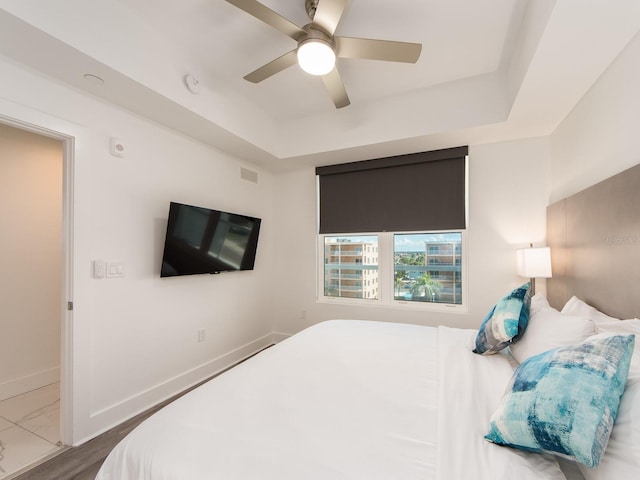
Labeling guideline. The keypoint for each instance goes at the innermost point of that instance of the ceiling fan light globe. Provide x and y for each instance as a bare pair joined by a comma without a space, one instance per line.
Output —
316,57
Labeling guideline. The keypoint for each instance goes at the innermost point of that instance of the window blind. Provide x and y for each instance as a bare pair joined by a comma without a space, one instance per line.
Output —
419,191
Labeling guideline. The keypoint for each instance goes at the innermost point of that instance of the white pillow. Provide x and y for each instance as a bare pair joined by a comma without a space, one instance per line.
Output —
547,329
575,306
618,327
621,459
606,324
538,302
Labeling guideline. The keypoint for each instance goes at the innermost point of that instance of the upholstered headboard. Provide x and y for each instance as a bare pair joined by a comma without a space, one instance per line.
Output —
594,237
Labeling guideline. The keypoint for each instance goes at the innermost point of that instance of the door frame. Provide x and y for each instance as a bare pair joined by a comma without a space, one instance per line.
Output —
66,300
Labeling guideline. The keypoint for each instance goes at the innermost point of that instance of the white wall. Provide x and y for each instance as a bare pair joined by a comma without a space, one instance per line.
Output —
600,137
509,191
30,260
135,338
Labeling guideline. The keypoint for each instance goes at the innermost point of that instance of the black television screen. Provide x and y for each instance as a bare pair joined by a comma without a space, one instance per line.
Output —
201,240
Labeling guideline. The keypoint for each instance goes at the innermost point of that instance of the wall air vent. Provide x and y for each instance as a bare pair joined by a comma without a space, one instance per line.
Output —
248,175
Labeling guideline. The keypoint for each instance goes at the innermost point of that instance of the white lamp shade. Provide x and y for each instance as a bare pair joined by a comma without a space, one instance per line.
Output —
316,57
534,262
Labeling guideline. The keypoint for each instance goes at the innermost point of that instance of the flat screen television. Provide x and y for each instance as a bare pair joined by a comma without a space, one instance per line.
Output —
202,240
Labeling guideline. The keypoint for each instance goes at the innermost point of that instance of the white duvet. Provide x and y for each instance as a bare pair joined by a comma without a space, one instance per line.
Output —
344,399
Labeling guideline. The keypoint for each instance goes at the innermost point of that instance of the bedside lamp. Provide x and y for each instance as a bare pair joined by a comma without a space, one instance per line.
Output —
534,263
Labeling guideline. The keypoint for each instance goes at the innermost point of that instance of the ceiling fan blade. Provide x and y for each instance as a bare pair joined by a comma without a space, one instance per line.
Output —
335,87
371,49
328,14
273,67
268,16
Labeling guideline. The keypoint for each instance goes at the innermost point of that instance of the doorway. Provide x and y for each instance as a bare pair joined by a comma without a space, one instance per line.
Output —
35,255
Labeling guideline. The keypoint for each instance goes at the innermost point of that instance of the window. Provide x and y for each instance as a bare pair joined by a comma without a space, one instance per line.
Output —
422,197
424,269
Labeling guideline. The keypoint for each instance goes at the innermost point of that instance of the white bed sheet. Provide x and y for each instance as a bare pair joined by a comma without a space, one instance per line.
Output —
343,399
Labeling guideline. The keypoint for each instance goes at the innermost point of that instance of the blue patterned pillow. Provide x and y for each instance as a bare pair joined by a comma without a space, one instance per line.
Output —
564,401
505,323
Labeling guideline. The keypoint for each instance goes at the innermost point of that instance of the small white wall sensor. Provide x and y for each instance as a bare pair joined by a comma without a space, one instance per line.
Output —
192,83
116,147
99,269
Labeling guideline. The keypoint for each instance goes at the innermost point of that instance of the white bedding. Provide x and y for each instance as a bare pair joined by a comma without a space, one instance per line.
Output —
344,399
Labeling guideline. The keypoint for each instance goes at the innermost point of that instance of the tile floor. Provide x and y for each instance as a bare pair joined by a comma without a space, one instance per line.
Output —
29,428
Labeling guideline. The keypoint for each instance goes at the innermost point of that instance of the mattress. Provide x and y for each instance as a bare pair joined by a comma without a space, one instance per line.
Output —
344,399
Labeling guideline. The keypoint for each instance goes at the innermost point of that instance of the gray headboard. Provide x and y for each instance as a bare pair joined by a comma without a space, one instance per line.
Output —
594,237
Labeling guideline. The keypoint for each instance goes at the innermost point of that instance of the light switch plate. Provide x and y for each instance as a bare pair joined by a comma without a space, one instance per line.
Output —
115,269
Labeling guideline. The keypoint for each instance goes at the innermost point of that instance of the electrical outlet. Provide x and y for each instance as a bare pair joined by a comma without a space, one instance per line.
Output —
202,335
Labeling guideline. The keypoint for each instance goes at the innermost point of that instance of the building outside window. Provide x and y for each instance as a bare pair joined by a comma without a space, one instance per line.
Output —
351,266
428,267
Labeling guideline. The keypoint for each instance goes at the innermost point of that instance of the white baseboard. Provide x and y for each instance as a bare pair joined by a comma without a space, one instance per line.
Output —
29,382
277,337
108,417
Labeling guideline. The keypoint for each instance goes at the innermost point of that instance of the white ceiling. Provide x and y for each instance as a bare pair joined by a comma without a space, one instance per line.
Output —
490,70
228,43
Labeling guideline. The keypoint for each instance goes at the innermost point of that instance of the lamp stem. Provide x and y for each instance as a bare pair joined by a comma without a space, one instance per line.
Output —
533,280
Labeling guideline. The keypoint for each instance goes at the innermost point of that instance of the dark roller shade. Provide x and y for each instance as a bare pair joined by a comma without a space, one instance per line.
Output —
420,191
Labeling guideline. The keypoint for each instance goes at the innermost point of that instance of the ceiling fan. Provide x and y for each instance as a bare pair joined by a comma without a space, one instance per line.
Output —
318,47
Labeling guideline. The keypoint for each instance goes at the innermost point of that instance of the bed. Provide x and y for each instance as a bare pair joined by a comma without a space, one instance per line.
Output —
356,399
342,399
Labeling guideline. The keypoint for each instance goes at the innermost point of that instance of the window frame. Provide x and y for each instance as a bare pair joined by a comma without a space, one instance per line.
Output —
386,268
